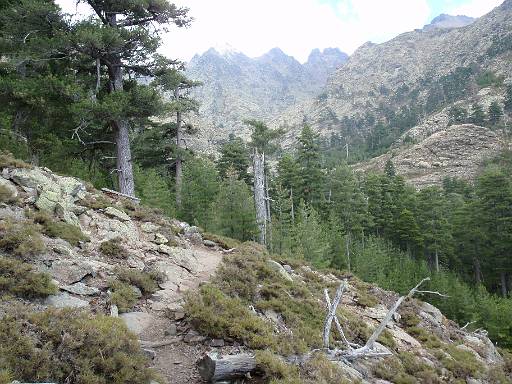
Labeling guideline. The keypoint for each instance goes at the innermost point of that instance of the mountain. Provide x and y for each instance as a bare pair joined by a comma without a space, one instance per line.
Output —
386,93
236,87
444,21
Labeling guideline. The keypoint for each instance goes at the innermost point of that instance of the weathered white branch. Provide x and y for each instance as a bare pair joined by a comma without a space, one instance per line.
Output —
331,313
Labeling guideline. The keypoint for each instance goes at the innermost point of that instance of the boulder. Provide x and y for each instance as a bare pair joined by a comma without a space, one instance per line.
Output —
137,321
69,272
80,289
209,243
160,239
8,191
65,300
279,269
116,214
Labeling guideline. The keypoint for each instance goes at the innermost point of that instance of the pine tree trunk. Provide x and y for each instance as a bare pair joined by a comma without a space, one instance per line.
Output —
121,128
259,194
179,163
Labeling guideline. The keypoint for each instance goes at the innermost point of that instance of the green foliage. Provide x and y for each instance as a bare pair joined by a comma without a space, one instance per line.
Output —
461,363
234,157
508,98
457,115
53,227
232,211
70,346
154,191
495,113
212,313
113,248
22,238
310,174
199,189
477,115
488,78
146,281
5,194
123,295
20,280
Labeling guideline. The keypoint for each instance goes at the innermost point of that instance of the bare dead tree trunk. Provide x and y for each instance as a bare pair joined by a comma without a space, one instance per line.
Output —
437,260
293,209
269,217
179,162
213,368
259,194
347,250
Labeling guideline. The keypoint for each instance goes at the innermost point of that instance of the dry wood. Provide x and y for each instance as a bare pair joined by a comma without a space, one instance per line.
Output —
213,368
149,344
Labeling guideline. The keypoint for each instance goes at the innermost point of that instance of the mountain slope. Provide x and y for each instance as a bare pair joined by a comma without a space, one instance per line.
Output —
387,91
236,87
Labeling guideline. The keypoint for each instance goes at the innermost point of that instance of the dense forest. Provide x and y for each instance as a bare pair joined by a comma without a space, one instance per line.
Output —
93,99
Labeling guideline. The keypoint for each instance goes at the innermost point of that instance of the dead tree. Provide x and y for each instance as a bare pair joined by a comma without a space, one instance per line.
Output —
259,195
213,368
368,350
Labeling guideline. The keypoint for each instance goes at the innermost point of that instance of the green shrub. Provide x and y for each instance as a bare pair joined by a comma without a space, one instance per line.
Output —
22,238
223,241
320,370
113,248
217,315
147,282
70,346
123,295
55,228
462,364
20,280
274,367
7,160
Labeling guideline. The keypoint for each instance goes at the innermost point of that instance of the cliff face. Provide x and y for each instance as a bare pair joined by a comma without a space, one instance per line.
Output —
236,87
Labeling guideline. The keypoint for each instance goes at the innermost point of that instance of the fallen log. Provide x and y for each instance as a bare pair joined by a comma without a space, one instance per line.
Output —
213,368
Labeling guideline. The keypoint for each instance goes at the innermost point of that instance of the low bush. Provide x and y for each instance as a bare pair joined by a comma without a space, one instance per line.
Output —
223,241
22,238
20,280
113,248
146,281
461,363
5,194
53,227
123,295
70,346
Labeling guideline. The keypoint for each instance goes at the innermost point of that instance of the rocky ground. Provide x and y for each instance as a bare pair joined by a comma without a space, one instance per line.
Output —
185,258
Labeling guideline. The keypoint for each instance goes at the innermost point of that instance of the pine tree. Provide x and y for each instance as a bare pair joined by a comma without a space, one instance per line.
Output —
154,191
389,169
200,188
124,39
311,177
457,115
310,240
235,155
408,232
233,210
495,113
477,116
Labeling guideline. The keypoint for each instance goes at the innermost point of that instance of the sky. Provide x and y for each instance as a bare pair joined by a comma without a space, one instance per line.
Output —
297,26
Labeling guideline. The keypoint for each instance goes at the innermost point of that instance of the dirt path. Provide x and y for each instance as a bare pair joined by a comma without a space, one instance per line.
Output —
176,362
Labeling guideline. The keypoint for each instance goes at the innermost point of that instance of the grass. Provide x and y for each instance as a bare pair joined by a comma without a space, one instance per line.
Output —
123,295
70,346
53,227
224,242
5,194
20,280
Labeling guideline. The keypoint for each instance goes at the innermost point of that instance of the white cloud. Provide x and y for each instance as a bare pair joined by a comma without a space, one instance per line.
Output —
475,8
297,26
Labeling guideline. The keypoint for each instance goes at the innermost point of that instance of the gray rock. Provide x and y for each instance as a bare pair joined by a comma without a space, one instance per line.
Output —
279,269
160,239
80,289
171,331
69,272
65,300
287,268
209,243
136,290
114,311
149,227
116,214
217,343
149,353
179,315
137,321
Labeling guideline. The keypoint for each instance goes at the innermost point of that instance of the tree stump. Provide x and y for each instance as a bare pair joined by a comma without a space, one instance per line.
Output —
213,368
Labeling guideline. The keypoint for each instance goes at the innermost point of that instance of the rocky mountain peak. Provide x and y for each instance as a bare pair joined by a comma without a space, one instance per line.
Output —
445,21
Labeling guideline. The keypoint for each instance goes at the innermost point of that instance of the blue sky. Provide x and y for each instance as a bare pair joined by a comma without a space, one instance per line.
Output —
298,26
